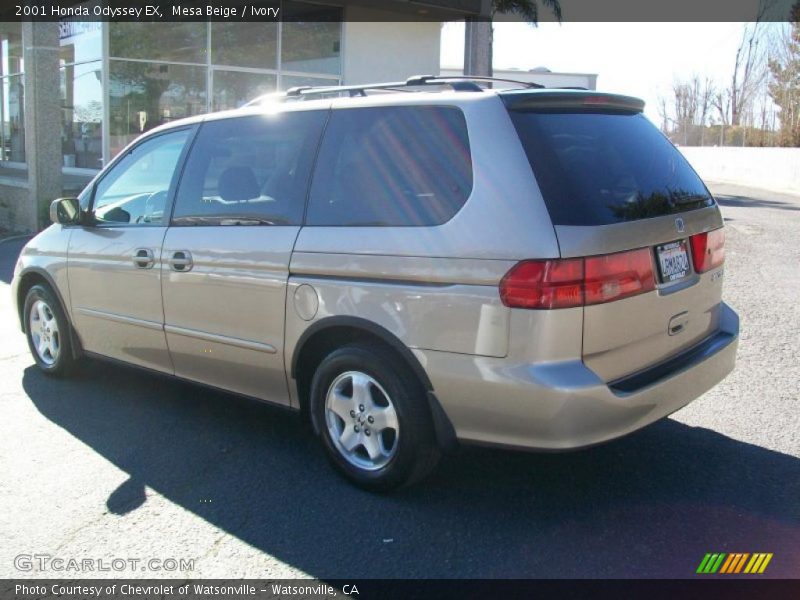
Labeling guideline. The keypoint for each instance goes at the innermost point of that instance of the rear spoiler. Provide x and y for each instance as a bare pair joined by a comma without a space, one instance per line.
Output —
569,101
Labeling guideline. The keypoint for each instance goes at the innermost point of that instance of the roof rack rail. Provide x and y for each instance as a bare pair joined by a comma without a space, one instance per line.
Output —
460,83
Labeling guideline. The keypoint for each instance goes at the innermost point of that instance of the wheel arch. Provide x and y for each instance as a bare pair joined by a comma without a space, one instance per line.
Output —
328,326
34,276
325,335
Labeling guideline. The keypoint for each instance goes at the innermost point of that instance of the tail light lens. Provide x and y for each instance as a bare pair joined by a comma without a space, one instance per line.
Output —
708,250
614,276
543,284
565,283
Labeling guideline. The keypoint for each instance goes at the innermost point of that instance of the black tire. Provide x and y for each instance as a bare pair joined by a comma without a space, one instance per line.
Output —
417,452
64,361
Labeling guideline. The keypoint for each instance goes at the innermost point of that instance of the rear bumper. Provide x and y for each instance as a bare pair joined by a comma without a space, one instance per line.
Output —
564,405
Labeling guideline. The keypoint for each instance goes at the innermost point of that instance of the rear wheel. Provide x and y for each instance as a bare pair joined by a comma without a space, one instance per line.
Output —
47,330
371,414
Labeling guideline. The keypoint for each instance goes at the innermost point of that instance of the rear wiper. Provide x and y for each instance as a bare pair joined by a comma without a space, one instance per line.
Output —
689,199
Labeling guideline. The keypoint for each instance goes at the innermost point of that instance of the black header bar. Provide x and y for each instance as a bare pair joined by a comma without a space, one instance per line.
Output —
391,10
700,587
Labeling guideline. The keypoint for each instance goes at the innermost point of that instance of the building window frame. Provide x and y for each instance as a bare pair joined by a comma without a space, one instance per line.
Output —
11,164
211,67
86,171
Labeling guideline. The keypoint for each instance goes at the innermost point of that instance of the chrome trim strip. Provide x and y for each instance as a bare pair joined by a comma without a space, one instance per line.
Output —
221,339
406,270
99,314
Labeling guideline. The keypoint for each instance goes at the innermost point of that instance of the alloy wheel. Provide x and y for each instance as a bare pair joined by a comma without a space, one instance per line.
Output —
44,332
361,420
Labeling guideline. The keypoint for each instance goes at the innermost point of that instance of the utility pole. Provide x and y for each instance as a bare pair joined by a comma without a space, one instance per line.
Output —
478,42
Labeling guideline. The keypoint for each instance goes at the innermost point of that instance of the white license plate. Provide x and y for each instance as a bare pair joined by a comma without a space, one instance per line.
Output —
673,261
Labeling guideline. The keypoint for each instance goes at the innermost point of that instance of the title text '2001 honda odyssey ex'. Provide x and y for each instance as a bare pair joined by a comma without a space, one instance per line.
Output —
409,265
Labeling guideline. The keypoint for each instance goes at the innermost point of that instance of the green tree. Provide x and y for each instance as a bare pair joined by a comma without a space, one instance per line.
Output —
479,34
784,86
527,9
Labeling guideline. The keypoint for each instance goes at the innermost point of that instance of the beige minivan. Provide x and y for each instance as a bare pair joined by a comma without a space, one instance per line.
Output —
409,265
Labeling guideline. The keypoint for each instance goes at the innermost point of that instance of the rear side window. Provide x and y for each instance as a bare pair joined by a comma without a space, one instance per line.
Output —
249,170
603,168
393,166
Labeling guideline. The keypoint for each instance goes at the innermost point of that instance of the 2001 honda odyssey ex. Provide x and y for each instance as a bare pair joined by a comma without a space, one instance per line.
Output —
530,268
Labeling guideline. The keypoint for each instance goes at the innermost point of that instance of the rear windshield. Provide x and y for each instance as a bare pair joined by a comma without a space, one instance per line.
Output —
601,168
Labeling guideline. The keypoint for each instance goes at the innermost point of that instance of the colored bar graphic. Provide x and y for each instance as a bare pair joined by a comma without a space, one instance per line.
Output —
764,564
749,566
711,563
757,565
717,562
727,564
741,562
703,563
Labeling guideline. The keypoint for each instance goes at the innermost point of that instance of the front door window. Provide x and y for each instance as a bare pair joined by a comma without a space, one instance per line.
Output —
136,189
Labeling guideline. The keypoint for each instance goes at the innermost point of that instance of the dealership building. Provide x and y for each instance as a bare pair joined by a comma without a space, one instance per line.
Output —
74,93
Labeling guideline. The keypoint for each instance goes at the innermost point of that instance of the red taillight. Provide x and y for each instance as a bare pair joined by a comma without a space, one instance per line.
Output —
708,250
565,283
614,276
544,284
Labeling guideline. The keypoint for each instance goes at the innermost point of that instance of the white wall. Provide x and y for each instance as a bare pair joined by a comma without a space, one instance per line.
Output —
775,169
375,51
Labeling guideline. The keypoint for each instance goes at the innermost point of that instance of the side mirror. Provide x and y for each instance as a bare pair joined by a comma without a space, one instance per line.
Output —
65,211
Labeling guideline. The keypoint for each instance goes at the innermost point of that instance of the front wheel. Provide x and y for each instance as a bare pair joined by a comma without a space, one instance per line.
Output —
371,414
47,330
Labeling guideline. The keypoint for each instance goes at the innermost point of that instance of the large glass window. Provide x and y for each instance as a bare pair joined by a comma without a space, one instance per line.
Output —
145,95
233,89
136,190
169,41
10,48
395,166
80,41
601,168
82,115
290,81
242,44
249,171
12,108
312,38
12,94
159,72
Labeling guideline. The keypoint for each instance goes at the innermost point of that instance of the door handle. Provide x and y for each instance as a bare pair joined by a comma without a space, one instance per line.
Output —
678,323
181,260
143,258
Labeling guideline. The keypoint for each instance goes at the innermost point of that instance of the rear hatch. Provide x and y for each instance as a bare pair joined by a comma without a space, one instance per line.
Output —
624,200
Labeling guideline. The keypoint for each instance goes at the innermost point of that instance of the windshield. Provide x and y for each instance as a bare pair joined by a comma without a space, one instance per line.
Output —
598,168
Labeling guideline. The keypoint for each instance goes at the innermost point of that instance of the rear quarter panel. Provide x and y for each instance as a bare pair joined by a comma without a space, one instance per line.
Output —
433,288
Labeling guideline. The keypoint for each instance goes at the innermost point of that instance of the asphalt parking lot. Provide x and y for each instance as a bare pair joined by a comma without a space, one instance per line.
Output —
122,464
